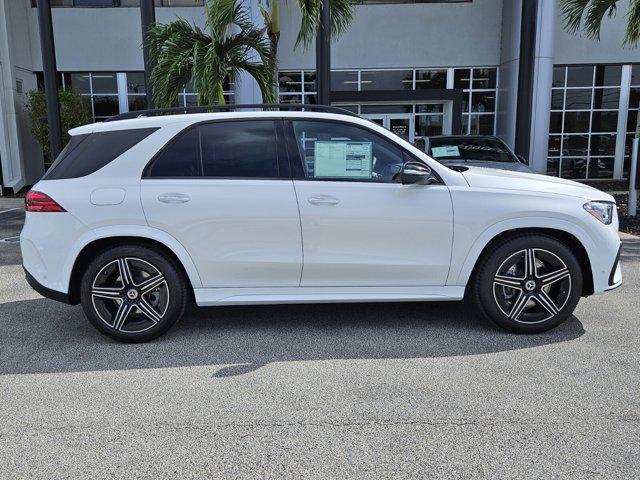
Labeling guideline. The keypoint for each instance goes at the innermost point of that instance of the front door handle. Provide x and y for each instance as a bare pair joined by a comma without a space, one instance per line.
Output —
323,200
173,197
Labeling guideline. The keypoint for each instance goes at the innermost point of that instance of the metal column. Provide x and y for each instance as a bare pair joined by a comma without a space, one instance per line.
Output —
323,56
147,19
50,76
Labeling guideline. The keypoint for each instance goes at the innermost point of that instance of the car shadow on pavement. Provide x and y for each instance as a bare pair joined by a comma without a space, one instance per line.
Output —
41,336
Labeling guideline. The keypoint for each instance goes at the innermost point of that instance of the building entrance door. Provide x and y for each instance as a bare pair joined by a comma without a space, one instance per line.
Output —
402,124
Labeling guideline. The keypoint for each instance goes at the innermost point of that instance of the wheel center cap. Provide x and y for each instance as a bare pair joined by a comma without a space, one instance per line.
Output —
132,294
530,285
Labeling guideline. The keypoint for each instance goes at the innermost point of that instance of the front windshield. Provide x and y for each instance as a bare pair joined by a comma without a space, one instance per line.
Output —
470,150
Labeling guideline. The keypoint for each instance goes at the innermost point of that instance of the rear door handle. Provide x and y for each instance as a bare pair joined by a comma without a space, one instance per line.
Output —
323,200
173,197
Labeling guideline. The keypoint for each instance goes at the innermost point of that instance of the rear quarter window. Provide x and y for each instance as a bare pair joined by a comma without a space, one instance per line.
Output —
85,154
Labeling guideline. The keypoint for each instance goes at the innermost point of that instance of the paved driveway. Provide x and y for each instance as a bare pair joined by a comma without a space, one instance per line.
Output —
330,391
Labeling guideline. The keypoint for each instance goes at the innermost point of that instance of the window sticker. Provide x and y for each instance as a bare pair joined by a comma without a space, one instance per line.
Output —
446,151
343,159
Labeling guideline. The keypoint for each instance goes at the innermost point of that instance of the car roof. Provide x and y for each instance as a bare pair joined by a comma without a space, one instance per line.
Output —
190,118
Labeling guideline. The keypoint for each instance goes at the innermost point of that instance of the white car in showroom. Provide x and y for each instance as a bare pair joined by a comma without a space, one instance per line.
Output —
139,216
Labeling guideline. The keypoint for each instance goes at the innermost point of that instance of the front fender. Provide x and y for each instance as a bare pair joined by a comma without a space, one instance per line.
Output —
459,274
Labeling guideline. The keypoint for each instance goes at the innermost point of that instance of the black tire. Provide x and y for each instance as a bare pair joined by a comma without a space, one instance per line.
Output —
145,305
508,293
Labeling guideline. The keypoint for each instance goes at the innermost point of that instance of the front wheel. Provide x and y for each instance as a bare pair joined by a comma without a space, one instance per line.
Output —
133,293
528,284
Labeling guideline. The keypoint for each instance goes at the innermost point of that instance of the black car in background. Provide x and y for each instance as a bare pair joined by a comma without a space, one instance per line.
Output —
474,151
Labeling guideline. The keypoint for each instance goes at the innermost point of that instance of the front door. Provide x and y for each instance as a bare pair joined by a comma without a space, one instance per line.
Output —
360,226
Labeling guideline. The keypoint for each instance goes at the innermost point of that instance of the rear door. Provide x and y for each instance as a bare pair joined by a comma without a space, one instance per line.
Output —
223,190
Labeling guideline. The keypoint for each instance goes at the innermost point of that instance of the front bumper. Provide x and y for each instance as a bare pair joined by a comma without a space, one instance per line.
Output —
44,291
615,277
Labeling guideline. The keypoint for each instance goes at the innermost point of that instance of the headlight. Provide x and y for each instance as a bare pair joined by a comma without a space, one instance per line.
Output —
603,211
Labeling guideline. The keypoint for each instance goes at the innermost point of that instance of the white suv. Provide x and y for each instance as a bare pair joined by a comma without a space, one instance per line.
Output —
137,217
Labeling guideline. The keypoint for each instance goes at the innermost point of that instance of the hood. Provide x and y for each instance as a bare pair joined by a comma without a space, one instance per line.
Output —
511,166
531,182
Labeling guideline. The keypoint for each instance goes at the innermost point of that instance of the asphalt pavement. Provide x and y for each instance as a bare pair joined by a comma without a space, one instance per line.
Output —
422,390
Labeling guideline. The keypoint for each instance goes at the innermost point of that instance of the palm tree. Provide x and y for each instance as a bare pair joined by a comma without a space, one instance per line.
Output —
183,52
341,12
588,15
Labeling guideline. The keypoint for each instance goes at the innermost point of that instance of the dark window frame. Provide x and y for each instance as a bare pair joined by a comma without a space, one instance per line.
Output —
297,165
61,169
282,163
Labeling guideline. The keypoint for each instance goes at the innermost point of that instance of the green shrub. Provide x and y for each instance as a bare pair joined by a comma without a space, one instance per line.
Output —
74,111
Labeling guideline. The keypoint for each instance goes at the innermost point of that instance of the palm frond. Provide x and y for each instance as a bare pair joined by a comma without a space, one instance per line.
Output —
341,16
632,36
183,53
587,15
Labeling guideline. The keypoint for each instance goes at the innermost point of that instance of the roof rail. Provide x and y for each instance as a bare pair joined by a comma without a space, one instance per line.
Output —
229,108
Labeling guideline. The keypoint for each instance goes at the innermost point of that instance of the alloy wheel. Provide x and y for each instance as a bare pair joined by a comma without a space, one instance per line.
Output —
532,286
130,295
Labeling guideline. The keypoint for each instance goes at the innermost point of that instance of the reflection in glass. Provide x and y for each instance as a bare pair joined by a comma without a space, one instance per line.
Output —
579,76
135,82
431,79
557,99
601,167
428,125
105,106
104,83
575,145
576,122
558,76
604,121
603,144
608,75
344,81
483,102
574,168
484,78
386,80
462,78
290,82
553,165
604,98
579,99
80,82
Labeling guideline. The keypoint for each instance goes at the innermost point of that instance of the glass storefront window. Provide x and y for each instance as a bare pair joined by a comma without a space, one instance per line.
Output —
584,120
386,80
426,79
579,77
608,75
578,99
344,81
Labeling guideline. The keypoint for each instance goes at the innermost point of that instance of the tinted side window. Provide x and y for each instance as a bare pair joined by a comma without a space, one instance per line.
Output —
95,151
242,149
180,158
343,152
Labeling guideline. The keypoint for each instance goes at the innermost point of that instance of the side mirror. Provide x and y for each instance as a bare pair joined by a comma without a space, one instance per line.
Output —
416,173
522,159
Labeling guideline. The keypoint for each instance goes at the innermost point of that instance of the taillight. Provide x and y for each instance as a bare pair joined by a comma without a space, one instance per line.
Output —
40,202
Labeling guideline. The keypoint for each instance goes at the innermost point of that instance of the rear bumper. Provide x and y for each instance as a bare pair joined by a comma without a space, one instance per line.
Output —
44,291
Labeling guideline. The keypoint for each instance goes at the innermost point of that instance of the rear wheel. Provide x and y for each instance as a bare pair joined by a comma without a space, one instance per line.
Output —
133,293
528,284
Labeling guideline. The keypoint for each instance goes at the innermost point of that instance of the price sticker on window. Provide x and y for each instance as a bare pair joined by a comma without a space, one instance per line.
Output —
446,151
343,159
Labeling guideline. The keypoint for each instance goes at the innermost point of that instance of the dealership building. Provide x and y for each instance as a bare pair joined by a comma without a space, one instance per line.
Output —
420,68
